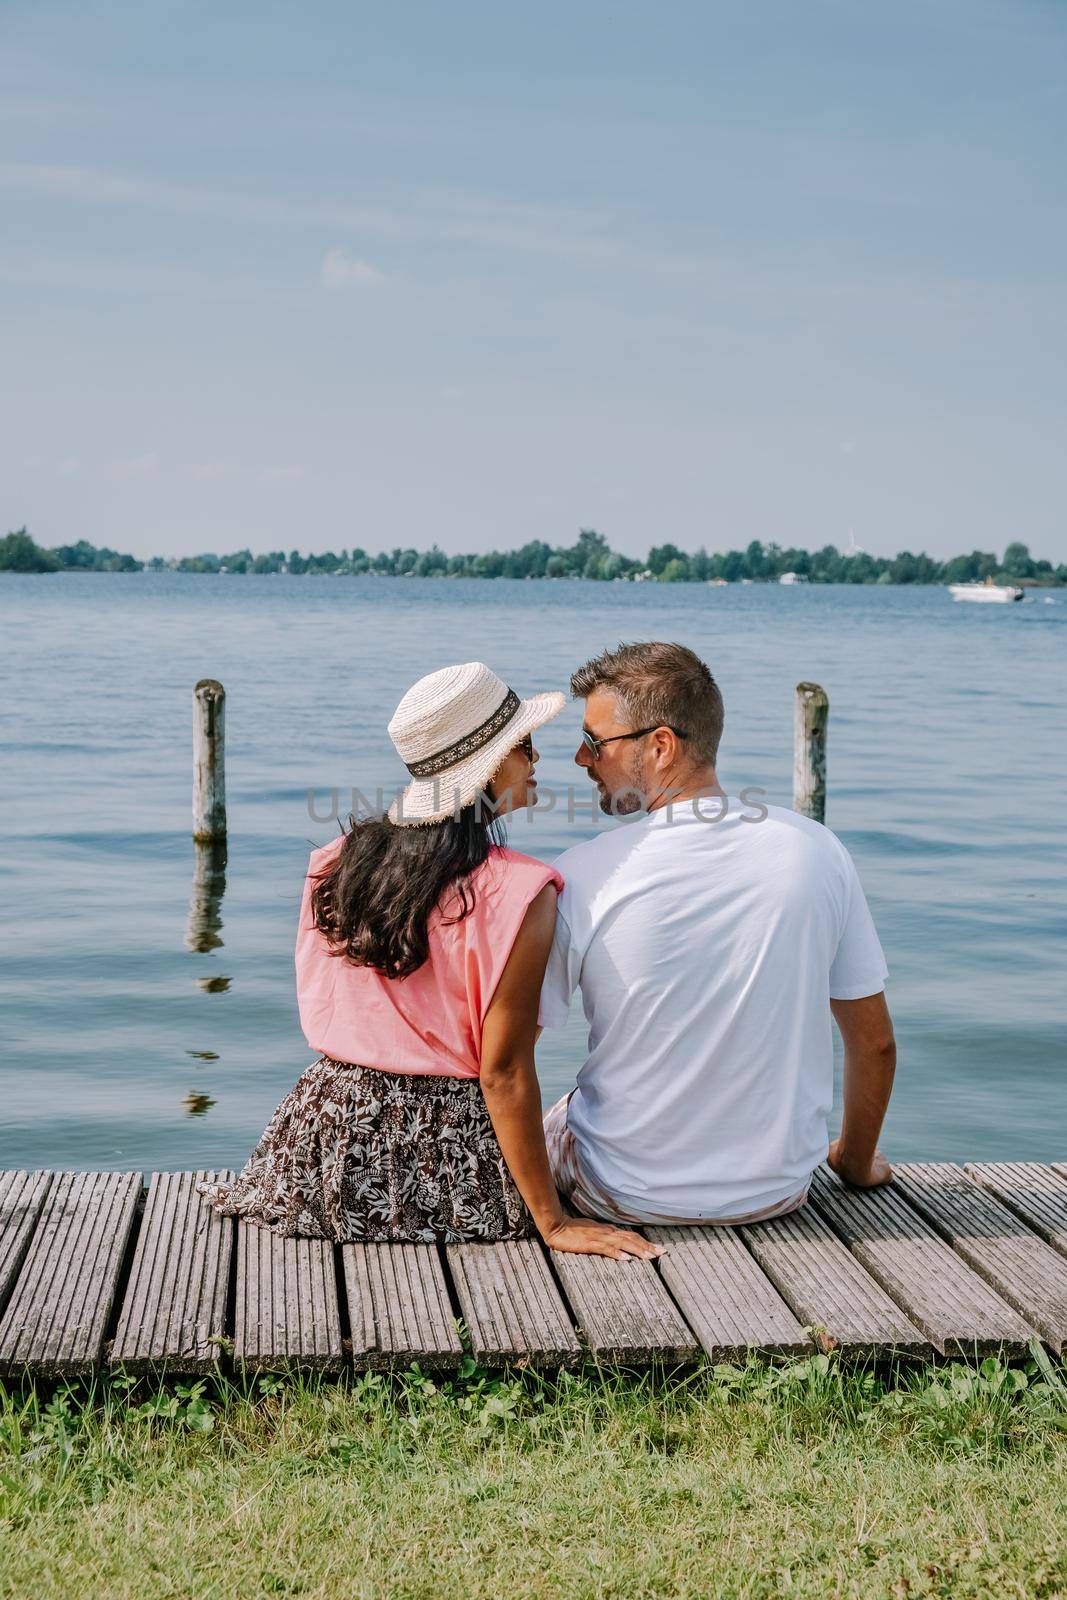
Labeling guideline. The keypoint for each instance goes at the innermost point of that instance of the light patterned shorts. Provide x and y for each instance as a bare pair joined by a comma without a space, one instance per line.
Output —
586,1195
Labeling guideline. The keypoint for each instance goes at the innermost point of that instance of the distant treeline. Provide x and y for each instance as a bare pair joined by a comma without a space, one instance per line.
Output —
589,557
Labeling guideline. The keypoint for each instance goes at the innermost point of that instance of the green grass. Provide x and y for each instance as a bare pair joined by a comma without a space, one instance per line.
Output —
799,1480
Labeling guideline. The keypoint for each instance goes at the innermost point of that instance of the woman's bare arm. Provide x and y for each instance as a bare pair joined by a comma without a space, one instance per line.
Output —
513,1096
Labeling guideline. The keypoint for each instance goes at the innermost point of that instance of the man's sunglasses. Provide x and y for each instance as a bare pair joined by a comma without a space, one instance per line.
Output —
593,744
526,746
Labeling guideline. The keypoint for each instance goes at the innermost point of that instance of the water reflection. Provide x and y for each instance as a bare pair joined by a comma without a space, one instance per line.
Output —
197,1104
205,902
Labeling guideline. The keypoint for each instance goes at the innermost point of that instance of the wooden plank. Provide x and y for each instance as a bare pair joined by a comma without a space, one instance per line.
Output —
1000,1247
22,1197
287,1315
956,1309
729,1303
1036,1193
398,1306
511,1305
174,1309
829,1290
623,1310
56,1319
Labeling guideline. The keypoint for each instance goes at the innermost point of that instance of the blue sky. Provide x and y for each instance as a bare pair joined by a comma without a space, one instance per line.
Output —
350,274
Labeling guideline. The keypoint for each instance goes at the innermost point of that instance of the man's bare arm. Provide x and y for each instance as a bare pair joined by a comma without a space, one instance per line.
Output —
870,1063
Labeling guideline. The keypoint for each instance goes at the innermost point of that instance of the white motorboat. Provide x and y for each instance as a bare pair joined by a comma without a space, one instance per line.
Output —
794,577
987,592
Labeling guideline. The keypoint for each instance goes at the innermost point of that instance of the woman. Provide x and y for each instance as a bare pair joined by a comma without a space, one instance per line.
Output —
420,955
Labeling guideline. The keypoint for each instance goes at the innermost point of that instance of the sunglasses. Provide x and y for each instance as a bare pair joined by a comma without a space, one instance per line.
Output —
593,744
526,746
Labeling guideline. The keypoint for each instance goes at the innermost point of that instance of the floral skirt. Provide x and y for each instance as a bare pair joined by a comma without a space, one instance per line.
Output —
353,1153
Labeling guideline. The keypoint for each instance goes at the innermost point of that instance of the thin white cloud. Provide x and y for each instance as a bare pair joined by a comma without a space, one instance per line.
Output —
137,466
141,278
11,108
207,472
91,185
342,271
65,467
442,213
77,182
281,475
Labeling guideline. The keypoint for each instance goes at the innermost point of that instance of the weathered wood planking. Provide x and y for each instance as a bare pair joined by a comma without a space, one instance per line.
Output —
56,1319
174,1310
1036,1193
623,1310
64,1237
731,1306
511,1305
286,1313
1022,1268
22,1197
956,1309
828,1289
398,1306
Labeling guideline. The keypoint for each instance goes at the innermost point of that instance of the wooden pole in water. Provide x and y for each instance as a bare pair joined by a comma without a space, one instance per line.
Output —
809,751
209,771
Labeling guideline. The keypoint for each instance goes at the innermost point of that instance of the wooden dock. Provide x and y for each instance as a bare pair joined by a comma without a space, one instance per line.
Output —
98,1272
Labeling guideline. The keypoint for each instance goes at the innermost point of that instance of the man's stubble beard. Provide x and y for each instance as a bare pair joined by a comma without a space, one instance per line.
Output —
630,797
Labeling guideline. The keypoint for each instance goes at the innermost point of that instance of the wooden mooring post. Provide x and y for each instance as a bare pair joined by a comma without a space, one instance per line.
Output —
810,715
209,770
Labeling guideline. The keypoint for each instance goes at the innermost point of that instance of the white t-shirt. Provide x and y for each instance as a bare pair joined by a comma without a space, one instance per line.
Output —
707,954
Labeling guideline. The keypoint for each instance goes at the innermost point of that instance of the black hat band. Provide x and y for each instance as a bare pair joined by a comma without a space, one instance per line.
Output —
470,744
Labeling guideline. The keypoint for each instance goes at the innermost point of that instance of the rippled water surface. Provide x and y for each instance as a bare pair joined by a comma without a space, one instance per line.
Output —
124,1047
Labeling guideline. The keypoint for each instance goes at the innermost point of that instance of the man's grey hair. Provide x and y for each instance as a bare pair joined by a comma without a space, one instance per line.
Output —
660,684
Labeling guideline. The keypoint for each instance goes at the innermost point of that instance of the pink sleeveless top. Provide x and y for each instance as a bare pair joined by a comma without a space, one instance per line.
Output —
431,1021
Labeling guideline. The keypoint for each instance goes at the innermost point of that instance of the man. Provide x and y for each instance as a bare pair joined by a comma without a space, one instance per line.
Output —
711,940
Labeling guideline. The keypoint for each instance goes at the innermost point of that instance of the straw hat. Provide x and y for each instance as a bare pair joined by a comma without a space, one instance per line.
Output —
452,730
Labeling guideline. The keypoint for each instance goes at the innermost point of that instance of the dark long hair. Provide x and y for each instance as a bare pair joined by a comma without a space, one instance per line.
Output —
374,902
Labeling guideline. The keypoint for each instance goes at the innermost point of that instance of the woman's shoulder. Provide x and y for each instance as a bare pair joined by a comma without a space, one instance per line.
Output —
324,854
510,869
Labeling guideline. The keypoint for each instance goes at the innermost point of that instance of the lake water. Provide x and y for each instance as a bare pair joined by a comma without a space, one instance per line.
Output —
124,1048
